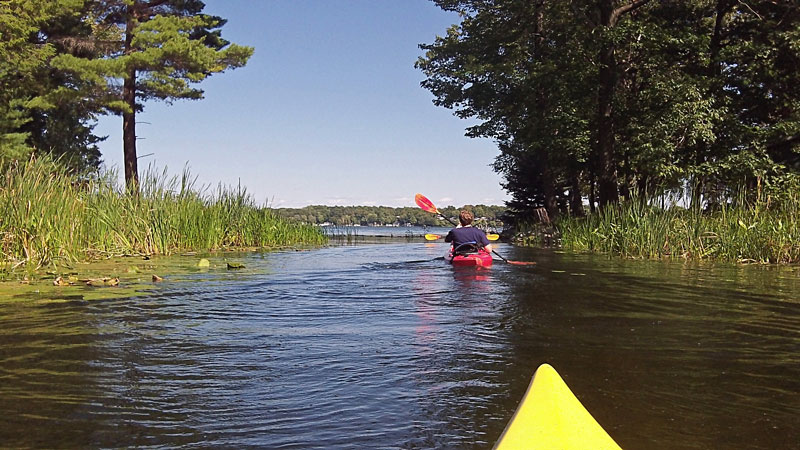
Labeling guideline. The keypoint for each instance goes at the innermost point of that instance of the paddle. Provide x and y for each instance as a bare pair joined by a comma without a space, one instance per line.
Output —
428,206
433,237
516,263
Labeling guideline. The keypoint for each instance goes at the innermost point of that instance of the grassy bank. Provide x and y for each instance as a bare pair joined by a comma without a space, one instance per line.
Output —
48,217
763,232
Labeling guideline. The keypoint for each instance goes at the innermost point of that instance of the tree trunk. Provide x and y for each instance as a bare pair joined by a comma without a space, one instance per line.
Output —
641,187
129,132
607,85
714,64
550,195
129,117
592,196
575,197
607,80
627,179
714,72
548,179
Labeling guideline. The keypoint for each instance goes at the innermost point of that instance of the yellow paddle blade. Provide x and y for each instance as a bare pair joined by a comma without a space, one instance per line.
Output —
551,417
492,237
431,237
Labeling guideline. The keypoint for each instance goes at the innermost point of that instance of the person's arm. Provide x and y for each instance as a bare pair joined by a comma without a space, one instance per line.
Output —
484,241
449,237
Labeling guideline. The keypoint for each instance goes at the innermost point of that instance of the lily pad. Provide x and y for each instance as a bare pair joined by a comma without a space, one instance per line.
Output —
59,281
203,263
96,282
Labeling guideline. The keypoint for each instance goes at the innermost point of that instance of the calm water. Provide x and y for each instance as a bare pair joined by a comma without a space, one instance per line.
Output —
357,347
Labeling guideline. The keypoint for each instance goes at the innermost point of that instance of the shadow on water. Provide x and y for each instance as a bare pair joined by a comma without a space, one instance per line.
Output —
364,346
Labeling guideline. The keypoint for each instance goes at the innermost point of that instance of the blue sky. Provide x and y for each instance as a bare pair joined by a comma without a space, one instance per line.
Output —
328,111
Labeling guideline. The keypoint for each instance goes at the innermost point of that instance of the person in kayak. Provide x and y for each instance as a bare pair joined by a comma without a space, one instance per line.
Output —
465,238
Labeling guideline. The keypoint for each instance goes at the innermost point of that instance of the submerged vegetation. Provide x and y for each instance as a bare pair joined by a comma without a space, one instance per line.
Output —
761,231
50,217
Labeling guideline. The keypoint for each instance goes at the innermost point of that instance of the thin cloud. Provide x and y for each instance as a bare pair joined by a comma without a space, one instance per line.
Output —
403,201
491,201
336,201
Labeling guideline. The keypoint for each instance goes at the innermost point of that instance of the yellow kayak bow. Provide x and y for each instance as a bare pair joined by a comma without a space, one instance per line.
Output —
551,417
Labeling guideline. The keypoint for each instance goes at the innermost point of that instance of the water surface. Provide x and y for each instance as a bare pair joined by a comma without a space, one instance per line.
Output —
382,346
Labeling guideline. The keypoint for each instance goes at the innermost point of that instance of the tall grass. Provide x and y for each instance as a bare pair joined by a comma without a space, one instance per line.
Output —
760,231
48,216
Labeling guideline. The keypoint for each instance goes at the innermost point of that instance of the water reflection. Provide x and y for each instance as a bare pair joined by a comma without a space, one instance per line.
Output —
385,346
671,355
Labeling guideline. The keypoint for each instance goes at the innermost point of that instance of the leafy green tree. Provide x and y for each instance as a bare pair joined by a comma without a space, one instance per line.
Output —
519,67
739,61
597,98
155,50
33,117
63,125
662,107
608,79
66,131
21,57
758,57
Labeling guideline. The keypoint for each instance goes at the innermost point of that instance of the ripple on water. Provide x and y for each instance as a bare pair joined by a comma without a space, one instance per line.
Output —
384,346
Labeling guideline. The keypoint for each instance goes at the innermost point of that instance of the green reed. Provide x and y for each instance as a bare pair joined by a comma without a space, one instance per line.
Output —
48,216
747,231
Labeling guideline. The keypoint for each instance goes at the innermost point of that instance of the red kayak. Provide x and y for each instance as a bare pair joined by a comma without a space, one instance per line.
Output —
479,259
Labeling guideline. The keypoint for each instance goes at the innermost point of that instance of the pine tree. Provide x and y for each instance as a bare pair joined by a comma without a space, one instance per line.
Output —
154,50
22,57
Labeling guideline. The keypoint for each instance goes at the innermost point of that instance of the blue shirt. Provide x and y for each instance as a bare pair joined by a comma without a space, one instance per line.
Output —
466,235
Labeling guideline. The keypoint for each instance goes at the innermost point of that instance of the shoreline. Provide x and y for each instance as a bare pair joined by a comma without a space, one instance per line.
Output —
50,216
748,232
126,276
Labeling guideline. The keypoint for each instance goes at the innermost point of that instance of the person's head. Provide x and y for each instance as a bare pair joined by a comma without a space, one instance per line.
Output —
465,218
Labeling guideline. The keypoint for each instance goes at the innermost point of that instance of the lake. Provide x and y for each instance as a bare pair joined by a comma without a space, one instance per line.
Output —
381,345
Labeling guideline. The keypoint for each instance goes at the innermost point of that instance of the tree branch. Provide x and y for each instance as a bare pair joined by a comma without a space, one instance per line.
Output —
155,3
751,10
786,141
626,9
145,10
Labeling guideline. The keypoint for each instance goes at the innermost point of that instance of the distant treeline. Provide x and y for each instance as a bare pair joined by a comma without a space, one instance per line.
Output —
384,215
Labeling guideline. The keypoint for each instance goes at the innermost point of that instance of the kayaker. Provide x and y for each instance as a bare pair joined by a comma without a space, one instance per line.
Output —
466,234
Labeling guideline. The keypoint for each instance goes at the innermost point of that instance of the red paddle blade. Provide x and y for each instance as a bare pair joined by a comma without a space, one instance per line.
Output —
522,263
425,204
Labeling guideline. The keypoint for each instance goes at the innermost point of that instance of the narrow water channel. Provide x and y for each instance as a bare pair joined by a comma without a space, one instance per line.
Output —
380,346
